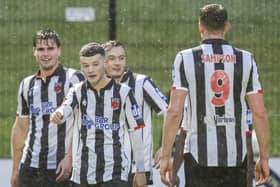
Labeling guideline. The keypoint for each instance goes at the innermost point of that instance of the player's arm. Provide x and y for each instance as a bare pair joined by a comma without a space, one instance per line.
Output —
171,124
261,126
260,121
135,124
154,97
66,108
19,132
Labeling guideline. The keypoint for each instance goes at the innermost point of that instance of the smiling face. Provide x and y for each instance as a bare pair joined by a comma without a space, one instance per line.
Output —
115,62
47,54
93,68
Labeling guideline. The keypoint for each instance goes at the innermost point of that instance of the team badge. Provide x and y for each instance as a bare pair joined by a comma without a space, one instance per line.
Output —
115,103
84,102
58,87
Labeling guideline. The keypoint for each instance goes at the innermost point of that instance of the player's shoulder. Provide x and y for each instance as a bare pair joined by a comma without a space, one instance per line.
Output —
140,77
243,51
28,78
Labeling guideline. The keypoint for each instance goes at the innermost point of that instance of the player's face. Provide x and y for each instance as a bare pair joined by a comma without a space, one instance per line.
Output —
115,62
47,54
93,68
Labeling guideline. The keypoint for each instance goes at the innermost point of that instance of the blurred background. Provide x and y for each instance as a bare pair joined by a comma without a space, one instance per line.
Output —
153,31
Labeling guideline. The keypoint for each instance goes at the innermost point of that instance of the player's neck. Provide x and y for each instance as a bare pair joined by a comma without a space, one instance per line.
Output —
217,35
46,73
101,84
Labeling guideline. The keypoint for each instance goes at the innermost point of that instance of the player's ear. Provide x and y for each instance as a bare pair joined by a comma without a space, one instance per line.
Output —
201,27
227,26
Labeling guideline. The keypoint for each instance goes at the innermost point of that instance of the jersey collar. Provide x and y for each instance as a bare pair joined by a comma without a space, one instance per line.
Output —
214,41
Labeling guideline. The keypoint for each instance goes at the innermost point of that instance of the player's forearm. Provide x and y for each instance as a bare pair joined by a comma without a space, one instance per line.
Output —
262,132
170,128
17,144
137,149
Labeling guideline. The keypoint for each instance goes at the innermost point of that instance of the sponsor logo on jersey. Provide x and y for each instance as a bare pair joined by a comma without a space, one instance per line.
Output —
160,94
35,111
87,122
115,103
136,112
47,108
223,120
102,123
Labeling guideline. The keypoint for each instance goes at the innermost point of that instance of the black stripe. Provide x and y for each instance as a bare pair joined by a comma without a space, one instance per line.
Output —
238,75
183,78
30,96
220,111
132,81
79,75
43,155
250,81
84,156
99,137
25,108
116,139
61,128
200,98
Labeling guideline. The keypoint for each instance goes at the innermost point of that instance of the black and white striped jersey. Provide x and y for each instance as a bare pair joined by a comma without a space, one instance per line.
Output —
46,142
103,122
217,78
149,97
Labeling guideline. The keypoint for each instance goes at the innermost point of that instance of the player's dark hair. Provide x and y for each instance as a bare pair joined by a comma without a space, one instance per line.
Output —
46,35
213,17
92,49
112,43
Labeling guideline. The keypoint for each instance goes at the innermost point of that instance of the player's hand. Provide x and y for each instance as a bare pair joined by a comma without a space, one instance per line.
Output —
64,168
56,117
139,180
157,158
166,169
14,179
262,171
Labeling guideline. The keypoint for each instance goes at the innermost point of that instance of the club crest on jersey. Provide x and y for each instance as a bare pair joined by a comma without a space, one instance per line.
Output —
58,87
115,103
84,102
136,112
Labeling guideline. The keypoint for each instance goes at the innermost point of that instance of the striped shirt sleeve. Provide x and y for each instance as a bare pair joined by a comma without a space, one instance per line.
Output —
22,107
254,85
68,105
178,74
154,97
133,114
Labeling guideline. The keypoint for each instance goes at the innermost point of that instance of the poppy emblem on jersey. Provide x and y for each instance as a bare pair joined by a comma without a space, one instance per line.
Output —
115,103
58,87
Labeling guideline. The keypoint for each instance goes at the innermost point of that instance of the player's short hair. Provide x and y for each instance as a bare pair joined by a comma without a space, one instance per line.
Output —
46,34
92,49
112,43
213,17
